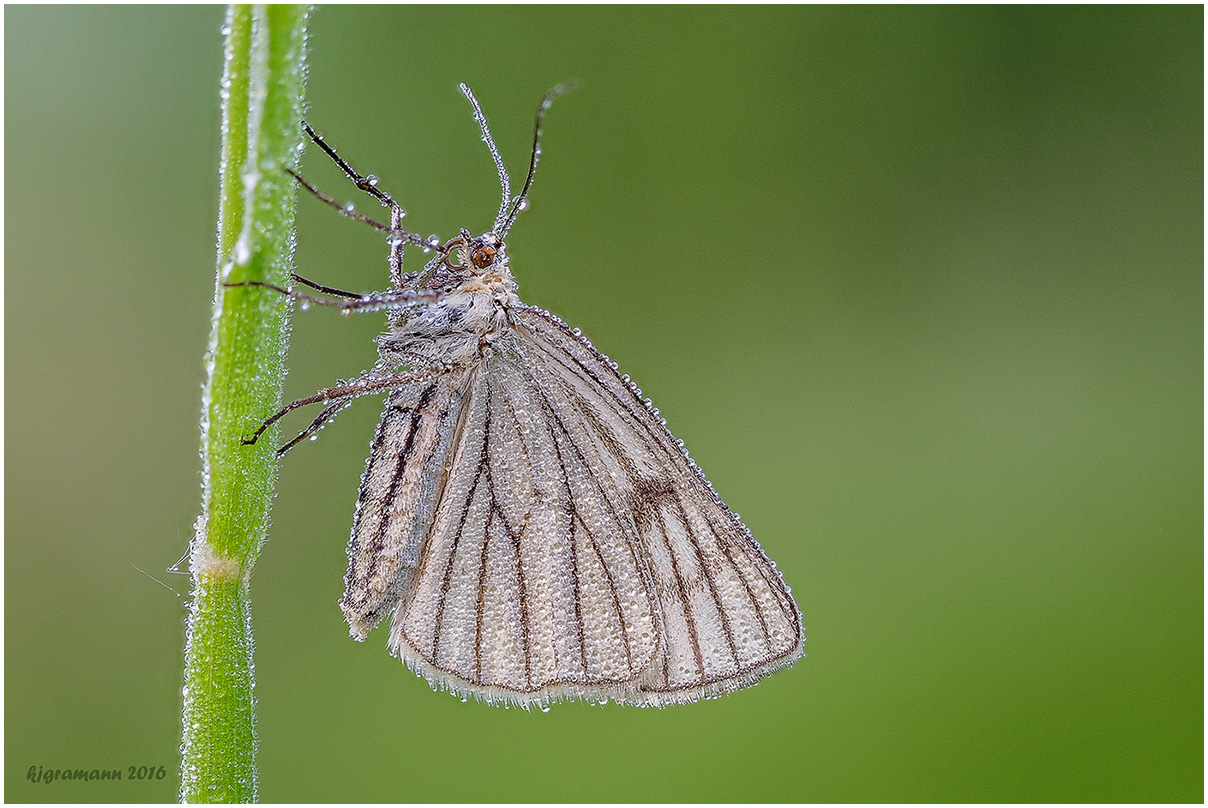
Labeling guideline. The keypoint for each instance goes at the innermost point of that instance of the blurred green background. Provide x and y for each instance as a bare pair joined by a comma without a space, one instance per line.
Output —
921,288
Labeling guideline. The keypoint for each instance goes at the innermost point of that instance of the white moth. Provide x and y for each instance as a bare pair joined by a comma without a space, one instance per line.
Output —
527,519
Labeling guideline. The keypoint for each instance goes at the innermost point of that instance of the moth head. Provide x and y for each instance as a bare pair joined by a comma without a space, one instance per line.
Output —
477,255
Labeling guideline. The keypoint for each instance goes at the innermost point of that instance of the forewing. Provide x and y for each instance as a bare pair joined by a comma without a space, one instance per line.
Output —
530,588
726,615
400,489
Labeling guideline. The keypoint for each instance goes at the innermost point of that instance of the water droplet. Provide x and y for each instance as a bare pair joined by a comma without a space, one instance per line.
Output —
372,180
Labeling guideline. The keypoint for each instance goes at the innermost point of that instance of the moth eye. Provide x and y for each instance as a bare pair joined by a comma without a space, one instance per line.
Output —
484,257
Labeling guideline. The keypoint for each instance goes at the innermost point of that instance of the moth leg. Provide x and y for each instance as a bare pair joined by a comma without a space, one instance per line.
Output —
353,213
328,414
396,258
396,248
375,301
366,184
327,290
342,393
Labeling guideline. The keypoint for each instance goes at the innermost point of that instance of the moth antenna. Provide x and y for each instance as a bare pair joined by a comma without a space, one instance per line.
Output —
490,141
519,204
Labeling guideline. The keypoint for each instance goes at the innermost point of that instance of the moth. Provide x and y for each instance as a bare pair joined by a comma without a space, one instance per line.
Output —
525,517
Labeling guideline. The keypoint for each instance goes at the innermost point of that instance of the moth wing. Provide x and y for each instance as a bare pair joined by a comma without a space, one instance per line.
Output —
555,541
725,616
530,588
400,490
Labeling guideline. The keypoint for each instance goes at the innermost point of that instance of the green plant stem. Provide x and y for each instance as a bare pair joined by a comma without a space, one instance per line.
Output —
262,106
